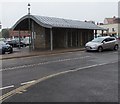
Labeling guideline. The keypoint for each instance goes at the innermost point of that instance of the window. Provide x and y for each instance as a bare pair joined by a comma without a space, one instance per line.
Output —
106,40
113,29
109,39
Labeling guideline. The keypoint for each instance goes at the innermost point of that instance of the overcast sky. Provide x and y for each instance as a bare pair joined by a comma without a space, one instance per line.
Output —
95,10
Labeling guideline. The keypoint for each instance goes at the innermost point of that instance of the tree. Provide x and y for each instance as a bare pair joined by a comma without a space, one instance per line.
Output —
5,33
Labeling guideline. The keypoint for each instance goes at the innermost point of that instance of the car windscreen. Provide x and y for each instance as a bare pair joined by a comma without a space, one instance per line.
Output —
2,44
98,40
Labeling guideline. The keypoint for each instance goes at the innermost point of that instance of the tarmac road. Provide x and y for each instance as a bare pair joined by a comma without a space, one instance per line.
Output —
29,72
97,84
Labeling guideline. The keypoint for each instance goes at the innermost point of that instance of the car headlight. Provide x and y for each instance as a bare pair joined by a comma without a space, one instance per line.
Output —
93,46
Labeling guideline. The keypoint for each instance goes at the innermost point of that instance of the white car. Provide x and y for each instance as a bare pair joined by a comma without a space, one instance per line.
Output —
26,40
102,43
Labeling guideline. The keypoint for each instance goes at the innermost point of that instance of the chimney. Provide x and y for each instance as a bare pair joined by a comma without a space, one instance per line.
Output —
114,17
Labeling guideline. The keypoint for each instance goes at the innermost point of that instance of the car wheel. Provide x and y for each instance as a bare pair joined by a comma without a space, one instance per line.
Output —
87,50
11,50
100,49
116,47
24,45
3,52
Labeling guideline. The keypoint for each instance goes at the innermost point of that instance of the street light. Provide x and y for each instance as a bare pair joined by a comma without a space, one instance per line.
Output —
28,8
29,23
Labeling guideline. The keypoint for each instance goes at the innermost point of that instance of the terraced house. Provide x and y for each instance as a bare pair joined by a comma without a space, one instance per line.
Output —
51,33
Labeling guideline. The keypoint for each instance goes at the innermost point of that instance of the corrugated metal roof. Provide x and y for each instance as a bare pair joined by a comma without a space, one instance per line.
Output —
66,23
50,22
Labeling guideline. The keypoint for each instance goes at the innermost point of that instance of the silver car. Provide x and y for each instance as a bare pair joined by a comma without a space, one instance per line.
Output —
102,43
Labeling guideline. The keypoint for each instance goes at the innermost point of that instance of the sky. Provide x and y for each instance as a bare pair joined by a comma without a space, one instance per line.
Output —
95,10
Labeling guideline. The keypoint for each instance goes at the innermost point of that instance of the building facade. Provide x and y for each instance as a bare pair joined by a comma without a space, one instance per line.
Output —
16,34
51,33
112,25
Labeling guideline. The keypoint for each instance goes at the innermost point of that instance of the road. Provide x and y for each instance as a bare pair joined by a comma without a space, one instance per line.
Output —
67,77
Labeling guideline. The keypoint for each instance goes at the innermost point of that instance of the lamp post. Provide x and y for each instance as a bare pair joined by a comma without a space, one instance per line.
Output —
29,24
28,8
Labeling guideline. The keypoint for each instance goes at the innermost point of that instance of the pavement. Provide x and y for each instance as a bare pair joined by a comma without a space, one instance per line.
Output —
26,52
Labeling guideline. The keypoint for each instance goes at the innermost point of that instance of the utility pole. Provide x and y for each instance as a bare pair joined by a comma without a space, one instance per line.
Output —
29,25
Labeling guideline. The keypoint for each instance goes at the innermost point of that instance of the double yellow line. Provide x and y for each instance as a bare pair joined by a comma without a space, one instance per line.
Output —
24,87
15,91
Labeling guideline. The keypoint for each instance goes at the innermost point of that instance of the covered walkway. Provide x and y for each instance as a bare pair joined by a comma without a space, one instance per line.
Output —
51,33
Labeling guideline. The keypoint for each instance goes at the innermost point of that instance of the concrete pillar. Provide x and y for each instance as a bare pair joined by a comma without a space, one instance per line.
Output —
107,31
66,40
71,38
102,32
51,39
29,30
81,40
95,33
33,36
76,39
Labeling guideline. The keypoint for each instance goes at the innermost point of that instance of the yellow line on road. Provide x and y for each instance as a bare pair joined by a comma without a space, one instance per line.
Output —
24,87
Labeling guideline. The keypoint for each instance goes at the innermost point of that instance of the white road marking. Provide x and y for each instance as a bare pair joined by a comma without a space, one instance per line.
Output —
27,82
43,63
59,73
6,87
68,71
31,83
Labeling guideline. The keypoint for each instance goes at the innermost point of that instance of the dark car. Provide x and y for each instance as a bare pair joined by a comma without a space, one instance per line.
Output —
16,43
5,48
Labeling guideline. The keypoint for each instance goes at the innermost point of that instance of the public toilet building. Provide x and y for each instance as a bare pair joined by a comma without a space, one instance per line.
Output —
52,33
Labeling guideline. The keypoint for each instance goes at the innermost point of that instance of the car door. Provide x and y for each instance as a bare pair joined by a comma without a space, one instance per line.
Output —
106,43
112,43
109,43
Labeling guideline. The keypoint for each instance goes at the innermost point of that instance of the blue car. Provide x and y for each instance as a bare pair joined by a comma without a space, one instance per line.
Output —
5,48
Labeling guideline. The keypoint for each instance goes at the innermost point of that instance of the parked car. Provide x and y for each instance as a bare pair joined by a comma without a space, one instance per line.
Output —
27,41
15,43
2,39
102,43
5,48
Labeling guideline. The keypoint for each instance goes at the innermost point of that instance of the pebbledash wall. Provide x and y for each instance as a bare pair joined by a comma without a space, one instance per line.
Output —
52,33
39,42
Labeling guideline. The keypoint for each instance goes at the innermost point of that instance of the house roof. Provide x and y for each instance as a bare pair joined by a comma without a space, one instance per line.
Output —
111,20
51,22
108,21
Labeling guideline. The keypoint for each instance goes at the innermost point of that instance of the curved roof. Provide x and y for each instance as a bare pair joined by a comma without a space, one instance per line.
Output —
50,22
